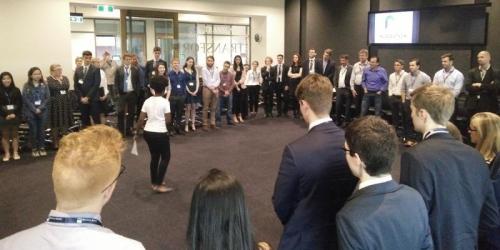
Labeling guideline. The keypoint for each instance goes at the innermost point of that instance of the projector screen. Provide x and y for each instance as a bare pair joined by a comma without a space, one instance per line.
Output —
394,27
465,25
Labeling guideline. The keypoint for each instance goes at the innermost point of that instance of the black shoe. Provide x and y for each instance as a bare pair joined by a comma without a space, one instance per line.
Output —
230,124
279,115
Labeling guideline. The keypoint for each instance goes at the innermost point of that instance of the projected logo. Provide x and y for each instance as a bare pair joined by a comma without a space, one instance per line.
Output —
394,27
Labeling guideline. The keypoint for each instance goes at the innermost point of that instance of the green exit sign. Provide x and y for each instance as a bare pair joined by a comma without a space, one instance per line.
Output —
105,8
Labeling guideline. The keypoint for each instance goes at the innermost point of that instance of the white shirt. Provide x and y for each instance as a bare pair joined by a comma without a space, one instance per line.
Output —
58,236
156,107
375,180
311,65
210,77
343,71
318,122
130,87
396,82
279,69
453,79
357,73
253,78
104,82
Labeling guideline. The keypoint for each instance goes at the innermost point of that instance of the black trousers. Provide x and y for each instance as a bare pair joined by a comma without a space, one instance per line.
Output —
253,98
91,109
127,105
358,99
408,129
237,99
280,97
396,107
177,109
343,104
268,100
159,148
244,103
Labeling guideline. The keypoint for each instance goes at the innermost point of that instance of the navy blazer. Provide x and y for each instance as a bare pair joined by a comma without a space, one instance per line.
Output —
318,67
87,85
134,77
329,70
384,216
313,184
455,184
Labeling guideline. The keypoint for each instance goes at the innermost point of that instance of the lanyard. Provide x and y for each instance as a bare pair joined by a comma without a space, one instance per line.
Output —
8,96
74,220
435,131
447,75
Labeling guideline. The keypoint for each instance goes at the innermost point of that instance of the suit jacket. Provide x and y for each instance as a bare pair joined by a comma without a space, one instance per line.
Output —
329,71
87,85
347,78
313,184
484,98
268,79
455,184
134,77
492,238
150,68
284,76
318,67
384,216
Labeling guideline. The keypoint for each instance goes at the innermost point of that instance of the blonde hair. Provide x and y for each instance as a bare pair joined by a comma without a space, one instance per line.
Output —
438,101
85,164
53,67
316,90
487,126
454,131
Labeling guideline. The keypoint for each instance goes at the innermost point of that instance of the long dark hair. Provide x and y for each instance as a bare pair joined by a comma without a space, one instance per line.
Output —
298,61
30,73
235,66
6,73
193,68
219,218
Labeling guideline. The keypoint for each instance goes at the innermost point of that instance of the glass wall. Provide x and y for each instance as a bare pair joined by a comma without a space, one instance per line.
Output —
164,38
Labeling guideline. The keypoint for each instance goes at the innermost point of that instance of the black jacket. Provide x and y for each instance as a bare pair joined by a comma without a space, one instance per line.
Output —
347,79
268,79
484,98
150,68
455,184
329,70
87,85
10,96
134,77
318,67
313,184
284,76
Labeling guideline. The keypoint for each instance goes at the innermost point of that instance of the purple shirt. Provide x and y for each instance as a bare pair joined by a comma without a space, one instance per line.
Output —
375,79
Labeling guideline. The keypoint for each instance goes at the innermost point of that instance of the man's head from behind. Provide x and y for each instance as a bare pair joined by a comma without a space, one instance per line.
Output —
86,168
315,97
371,146
431,105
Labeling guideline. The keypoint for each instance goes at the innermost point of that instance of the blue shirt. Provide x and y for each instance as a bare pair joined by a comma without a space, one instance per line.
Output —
178,83
375,79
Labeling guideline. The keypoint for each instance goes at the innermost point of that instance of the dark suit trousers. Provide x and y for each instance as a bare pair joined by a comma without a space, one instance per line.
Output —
280,97
253,98
177,109
396,106
91,109
126,111
268,100
343,104
358,99
408,130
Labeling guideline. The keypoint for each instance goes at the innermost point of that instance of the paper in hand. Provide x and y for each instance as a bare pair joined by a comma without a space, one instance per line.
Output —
134,148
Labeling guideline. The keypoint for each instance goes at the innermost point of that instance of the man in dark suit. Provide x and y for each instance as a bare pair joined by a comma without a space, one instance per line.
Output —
452,177
151,65
87,80
281,80
127,82
482,85
328,65
341,84
314,180
311,65
268,85
381,214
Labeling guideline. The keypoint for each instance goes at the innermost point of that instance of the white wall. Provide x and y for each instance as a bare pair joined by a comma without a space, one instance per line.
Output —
34,33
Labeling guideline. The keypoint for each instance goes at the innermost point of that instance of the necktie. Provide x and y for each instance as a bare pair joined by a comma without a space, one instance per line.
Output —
483,73
125,84
311,65
85,69
279,72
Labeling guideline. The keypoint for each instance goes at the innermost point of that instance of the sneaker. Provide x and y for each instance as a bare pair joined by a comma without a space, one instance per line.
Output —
35,153
16,157
43,152
6,158
163,189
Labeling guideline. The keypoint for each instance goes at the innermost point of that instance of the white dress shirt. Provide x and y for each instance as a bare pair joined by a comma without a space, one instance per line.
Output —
375,180
211,78
343,71
59,236
453,79
396,82
104,82
253,78
279,72
318,122
312,65
357,73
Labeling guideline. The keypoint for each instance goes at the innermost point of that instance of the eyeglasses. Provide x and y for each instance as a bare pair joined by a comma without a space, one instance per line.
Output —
345,149
122,170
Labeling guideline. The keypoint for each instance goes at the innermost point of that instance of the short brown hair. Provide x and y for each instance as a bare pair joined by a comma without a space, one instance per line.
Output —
344,56
449,55
175,59
328,51
127,55
316,90
86,162
375,141
438,101
400,61
156,49
363,51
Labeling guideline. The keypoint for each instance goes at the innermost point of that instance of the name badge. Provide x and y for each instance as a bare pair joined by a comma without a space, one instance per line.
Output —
10,107
63,92
178,86
191,84
38,103
410,90
153,73
80,81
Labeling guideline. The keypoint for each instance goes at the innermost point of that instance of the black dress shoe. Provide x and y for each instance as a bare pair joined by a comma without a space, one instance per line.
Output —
279,115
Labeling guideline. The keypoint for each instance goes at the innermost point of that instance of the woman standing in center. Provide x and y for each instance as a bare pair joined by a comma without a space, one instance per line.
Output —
157,111
11,103
253,82
295,75
60,109
238,96
192,99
